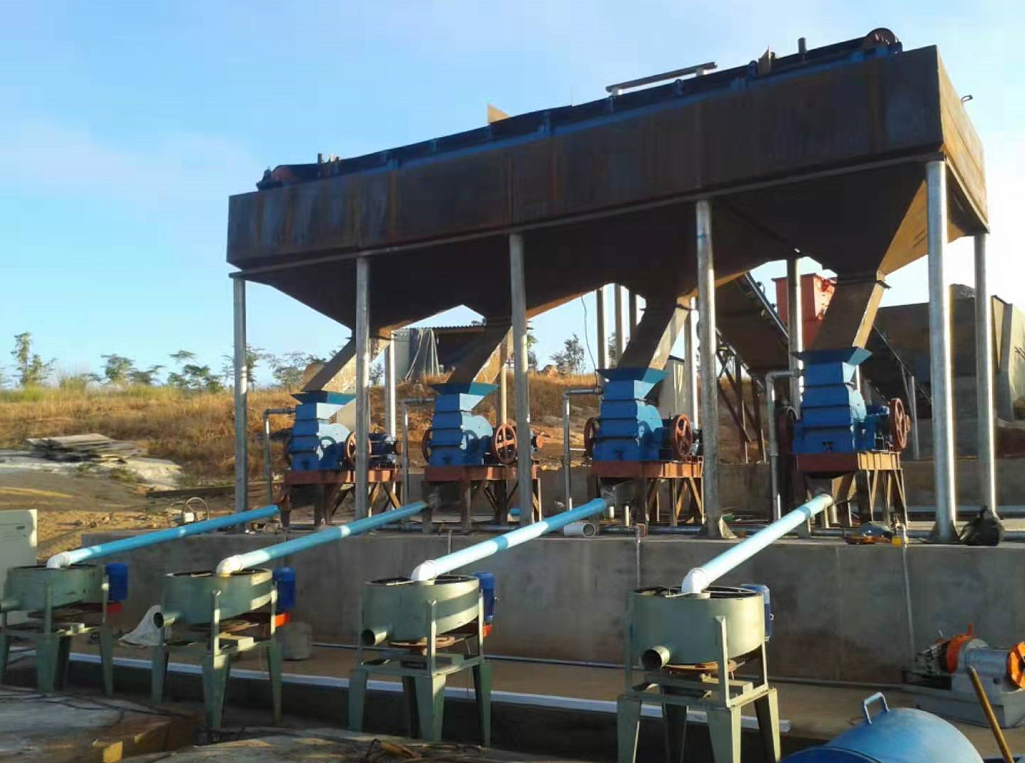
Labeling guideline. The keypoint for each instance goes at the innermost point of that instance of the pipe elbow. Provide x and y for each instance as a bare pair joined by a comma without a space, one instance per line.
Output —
55,562
425,572
697,580
230,565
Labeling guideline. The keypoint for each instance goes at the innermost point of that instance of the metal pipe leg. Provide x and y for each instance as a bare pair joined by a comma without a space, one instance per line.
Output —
430,702
357,698
724,730
714,527
158,673
628,722
107,659
944,530
274,672
984,379
519,321
241,398
362,336
795,330
215,687
767,710
482,691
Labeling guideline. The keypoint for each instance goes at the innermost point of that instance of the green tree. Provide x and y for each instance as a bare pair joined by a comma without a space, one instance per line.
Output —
32,370
254,356
117,368
144,377
195,378
289,368
613,357
531,355
570,360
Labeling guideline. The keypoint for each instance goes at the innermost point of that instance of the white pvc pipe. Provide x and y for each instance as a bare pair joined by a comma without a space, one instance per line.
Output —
430,569
699,578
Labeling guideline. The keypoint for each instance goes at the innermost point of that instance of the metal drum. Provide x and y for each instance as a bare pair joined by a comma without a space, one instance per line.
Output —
25,587
902,735
188,596
396,609
674,629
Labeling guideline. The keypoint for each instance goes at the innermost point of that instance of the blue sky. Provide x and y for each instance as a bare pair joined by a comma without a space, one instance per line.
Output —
127,125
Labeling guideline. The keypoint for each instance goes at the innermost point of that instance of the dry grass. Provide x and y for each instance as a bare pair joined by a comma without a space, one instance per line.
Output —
196,430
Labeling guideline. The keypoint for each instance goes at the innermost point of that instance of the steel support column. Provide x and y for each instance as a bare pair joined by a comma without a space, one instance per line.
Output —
690,363
503,382
632,307
517,280
944,531
984,379
362,386
795,330
620,323
241,399
714,525
916,452
603,340
389,389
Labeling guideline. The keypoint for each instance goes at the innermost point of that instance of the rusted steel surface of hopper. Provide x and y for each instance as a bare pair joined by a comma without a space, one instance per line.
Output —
820,151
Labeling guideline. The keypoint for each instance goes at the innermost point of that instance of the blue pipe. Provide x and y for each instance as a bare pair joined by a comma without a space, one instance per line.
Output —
263,555
434,567
67,558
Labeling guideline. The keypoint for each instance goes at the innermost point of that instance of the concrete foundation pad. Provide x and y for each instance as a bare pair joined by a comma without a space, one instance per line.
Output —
36,728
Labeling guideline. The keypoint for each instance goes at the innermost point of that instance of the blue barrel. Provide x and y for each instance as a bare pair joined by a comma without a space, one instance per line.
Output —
284,578
487,589
764,591
903,735
117,580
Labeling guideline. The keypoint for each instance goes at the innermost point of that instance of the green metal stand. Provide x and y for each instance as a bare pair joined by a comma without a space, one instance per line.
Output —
51,635
721,698
423,680
217,651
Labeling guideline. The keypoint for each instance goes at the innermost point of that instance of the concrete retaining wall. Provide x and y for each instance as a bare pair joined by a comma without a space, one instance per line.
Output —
840,611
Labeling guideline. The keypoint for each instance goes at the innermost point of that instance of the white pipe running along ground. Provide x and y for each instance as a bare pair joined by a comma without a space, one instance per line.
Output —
699,578
239,562
430,569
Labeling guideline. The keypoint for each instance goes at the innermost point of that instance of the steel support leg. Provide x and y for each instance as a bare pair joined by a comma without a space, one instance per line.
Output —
690,364
362,336
674,725
503,383
241,399
984,379
5,654
519,321
482,691
430,702
767,710
47,649
714,527
628,722
944,531
107,659
158,673
358,698
216,668
274,672
724,731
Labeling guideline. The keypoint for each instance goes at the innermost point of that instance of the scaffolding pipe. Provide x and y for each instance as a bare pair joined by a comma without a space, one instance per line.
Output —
525,459
241,397
430,569
944,530
984,379
795,330
67,558
603,340
405,440
620,323
770,421
389,388
690,364
567,454
699,578
268,474
260,556
362,333
715,527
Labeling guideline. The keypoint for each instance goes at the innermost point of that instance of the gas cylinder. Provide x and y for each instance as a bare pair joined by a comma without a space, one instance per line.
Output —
902,735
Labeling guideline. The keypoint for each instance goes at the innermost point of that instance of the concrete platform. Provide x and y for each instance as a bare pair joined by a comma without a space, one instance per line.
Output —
554,709
840,610
67,729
